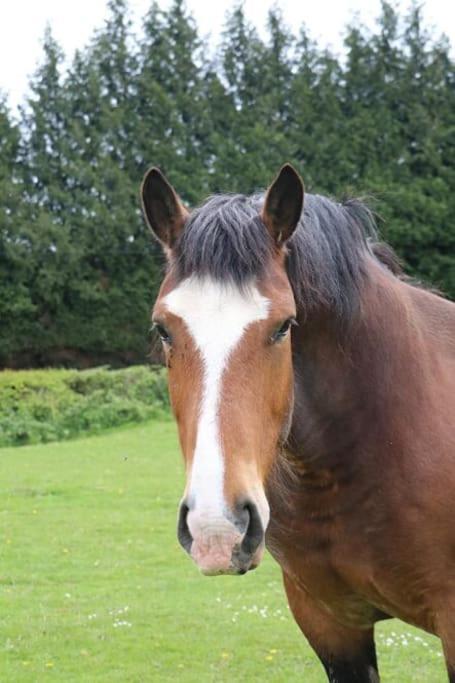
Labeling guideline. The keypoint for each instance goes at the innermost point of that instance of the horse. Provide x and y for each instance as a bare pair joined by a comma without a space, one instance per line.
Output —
313,385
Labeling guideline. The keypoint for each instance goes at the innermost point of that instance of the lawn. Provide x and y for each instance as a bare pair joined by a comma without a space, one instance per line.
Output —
94,587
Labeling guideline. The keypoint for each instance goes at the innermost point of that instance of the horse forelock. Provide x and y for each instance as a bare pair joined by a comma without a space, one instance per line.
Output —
326,257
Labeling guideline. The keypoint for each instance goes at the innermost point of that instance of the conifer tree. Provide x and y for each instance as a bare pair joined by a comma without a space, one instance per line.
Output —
43,170
174,113
111,293
44,153
16,306
252,144
78,269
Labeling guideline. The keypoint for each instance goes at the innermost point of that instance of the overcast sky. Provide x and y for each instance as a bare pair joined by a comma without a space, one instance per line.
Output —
22,24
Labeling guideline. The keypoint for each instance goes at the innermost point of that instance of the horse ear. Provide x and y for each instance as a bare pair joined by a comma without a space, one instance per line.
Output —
283,204
162,207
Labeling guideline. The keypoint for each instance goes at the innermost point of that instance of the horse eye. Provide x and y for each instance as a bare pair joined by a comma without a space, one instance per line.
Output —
163,333
282,331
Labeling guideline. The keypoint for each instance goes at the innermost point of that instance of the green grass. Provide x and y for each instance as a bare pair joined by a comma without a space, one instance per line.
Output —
94,588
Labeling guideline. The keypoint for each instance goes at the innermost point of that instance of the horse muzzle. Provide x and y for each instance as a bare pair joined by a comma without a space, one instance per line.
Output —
227,543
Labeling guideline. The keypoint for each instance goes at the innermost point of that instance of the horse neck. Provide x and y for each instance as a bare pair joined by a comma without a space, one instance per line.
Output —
347,384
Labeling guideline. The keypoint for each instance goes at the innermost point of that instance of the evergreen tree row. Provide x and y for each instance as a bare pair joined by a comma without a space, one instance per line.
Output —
78,269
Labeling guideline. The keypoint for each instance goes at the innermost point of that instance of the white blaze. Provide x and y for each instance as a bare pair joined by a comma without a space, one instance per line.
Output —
216,316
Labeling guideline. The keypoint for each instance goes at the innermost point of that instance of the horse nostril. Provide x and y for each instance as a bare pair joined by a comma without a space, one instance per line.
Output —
183,532
254,534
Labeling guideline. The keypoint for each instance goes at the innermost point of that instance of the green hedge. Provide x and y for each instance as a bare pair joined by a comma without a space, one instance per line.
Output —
50,405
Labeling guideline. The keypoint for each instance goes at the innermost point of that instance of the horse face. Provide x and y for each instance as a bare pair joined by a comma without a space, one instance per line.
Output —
230,379
228,353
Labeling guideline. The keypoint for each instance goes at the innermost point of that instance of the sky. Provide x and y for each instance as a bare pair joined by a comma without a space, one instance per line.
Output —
22,24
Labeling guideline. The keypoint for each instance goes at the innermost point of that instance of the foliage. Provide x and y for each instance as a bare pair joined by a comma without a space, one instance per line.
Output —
78,269
95,587
50,405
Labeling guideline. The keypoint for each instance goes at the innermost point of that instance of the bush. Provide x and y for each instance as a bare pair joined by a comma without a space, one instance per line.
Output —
49,405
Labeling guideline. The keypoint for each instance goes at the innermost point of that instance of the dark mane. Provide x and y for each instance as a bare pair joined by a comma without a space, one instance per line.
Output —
326,261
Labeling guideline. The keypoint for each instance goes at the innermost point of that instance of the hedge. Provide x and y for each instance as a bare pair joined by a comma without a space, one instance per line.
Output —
50,405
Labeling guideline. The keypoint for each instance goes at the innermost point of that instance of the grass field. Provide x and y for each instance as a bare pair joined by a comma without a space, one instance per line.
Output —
94,587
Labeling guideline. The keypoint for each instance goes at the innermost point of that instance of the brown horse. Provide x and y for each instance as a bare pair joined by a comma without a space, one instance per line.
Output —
314,390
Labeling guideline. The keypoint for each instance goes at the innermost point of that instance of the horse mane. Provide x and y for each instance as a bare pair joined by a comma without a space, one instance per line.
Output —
326,259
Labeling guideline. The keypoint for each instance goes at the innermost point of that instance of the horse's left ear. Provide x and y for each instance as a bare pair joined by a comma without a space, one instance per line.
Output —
283,204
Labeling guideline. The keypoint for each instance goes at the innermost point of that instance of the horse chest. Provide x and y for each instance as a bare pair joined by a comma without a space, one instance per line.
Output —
326,555
334,558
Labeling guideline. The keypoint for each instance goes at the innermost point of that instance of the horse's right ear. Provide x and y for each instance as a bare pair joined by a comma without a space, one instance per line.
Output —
162,207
